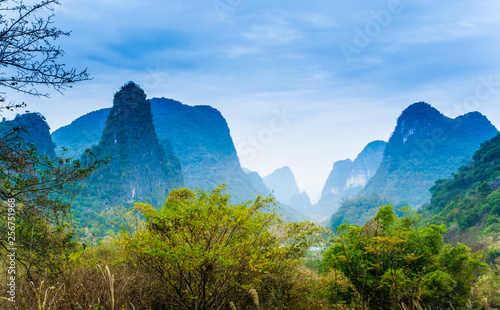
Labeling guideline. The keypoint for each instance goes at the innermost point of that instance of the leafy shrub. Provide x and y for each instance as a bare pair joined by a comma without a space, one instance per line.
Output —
207,253
391,261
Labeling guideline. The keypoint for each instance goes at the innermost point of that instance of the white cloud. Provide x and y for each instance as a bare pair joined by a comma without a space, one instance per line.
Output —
238,51
272,34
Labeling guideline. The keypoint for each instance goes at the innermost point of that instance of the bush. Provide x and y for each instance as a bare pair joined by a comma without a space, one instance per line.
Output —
391,261
207,253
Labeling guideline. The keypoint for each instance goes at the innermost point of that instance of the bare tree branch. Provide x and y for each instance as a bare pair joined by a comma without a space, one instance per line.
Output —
27,54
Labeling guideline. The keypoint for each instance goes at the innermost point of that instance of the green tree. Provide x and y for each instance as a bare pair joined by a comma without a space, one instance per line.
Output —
36,190
391,261
207,252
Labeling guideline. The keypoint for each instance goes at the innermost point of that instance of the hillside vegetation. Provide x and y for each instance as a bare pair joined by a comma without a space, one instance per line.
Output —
470,201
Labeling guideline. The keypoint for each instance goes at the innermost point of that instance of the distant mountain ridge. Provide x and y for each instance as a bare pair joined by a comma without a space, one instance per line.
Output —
282,183
33,129
289,211
301,202
198,135
348,178
424,147
257,182
83,133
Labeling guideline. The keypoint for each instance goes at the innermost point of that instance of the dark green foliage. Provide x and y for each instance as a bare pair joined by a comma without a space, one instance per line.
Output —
424,147
356,210
471,198
35,187
33,129
36,191
139,168
199,137
392,261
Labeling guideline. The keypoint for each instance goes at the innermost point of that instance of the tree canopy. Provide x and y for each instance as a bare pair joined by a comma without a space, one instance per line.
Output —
208,253
391,261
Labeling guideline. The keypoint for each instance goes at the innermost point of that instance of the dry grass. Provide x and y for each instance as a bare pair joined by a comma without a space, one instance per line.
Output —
94,289
100,281
123,288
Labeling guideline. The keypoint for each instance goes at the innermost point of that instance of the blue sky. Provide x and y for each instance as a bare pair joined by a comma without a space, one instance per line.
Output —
301,83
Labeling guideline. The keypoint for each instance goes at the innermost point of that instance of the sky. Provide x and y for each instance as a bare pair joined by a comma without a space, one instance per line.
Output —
301,83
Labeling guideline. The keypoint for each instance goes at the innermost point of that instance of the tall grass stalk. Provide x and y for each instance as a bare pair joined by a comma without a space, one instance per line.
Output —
111,278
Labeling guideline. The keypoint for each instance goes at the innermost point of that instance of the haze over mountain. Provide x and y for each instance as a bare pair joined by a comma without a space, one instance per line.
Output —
81,134
348,178
140,169
33,129
198,135
302,203
201,138
282,183
257,182
424,147
291,211
251,71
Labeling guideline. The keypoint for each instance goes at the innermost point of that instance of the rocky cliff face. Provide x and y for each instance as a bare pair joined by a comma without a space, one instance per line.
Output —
198,135
139,169
424,147
348,178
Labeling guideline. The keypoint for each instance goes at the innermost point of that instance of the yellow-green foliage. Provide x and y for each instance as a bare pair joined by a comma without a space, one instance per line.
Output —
207,252
201,251
390,262
486,291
